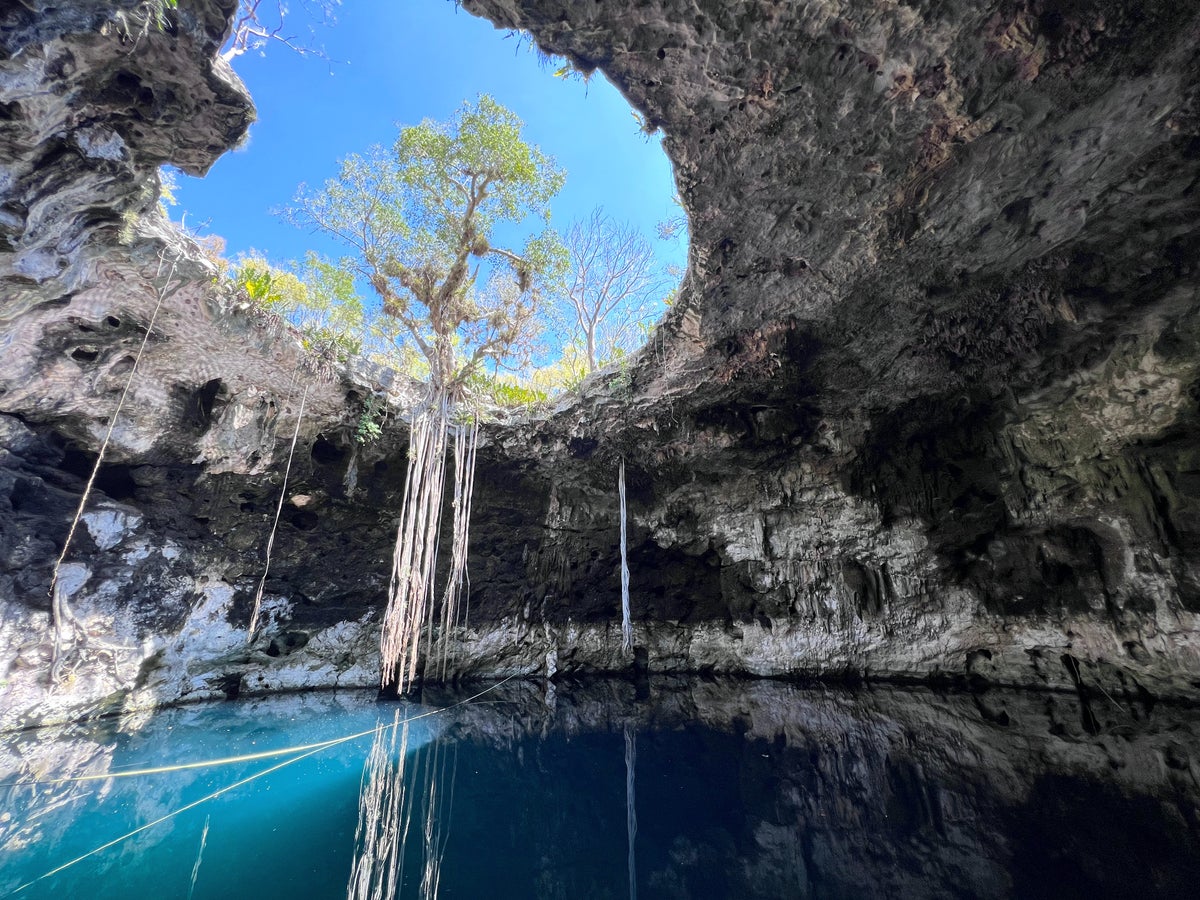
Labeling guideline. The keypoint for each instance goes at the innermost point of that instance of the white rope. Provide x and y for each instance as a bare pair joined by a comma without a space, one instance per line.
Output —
262,582
60,609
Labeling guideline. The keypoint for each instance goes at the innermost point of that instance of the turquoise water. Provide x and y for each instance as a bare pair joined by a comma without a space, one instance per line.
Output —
285,833
751,789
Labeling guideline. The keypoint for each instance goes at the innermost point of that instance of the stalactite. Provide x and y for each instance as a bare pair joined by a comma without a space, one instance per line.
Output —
350,480
626,620
262,582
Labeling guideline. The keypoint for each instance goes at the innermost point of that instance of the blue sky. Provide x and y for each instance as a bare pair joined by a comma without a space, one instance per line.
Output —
396,62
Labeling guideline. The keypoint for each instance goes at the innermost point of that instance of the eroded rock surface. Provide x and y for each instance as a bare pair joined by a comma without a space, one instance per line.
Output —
926,405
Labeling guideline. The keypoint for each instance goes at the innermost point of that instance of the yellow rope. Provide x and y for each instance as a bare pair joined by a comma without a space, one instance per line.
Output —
169,815
246,757
316,748
182,767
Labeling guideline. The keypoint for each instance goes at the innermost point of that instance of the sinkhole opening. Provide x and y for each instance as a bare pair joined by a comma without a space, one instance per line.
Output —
573,273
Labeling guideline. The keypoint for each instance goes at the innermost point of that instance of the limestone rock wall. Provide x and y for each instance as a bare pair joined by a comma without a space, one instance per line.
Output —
927,405
94,281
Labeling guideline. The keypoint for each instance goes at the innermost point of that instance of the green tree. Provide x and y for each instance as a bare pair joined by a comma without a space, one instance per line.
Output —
420,220
318,297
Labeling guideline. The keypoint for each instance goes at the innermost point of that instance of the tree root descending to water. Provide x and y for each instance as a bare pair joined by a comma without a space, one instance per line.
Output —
411,607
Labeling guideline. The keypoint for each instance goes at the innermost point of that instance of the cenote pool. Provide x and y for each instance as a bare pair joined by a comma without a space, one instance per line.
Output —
666,788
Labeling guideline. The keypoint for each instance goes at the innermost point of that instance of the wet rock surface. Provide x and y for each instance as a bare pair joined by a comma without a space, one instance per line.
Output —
926,406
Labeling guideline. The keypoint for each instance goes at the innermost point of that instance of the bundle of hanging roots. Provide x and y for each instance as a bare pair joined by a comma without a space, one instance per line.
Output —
412,608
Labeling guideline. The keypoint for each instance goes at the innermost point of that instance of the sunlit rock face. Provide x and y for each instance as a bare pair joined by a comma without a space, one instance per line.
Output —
926,405
93,281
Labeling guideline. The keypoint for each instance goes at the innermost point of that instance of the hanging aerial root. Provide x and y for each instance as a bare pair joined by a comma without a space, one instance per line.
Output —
439,801
199,857
626,620
386,809
61,615
380,834
414,559
631,807
262,582
411,598
466,443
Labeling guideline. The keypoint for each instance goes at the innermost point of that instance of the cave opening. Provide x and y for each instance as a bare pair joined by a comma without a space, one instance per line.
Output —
347,91
115,480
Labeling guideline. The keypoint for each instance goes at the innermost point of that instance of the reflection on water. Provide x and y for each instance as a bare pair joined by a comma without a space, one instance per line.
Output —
631,807
669,789
386,805
383,820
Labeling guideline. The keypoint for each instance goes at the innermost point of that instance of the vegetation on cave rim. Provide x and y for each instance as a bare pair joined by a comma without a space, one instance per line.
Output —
421,224
452,305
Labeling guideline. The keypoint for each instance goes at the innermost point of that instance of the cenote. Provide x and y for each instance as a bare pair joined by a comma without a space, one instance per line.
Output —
666,788
827,527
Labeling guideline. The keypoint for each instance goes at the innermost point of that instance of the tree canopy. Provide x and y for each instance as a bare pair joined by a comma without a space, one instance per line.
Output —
420,221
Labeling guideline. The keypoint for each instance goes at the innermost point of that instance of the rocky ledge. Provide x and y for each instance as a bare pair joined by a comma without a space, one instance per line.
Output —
927,405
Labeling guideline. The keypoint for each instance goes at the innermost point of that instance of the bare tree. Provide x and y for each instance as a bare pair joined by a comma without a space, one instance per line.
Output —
612,287
259,22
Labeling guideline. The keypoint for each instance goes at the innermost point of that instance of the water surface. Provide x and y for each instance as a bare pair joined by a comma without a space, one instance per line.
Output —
728,789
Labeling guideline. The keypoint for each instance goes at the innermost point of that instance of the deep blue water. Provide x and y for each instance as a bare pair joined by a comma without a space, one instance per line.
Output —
737,790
